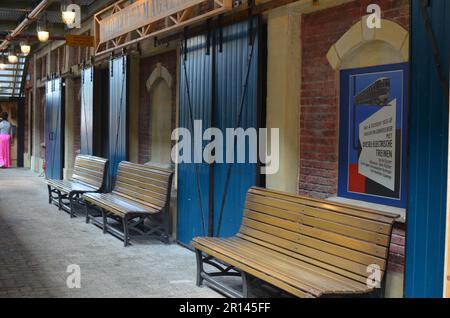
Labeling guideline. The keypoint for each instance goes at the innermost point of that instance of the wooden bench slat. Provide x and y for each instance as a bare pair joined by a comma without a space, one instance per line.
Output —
118,203
327,205
307,251
141,182
299,209
90,180
89,172
140,191
143,179
268,206
134,193
146,171
316,243
306,243
68,186
160,194
266,277
281,255
294,252
296,270
262,268
323,234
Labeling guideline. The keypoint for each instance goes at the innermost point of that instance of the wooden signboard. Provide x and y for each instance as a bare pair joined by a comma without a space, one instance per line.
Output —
79,40
127,22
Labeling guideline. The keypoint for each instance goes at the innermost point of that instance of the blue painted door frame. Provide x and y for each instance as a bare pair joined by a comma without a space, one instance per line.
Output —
426,216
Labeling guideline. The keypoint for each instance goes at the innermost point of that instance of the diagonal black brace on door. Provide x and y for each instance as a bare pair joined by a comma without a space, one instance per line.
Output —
191,120
443,81
251,37
83,97
119,117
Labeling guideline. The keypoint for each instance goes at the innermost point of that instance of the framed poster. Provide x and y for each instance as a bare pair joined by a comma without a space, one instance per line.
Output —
373,134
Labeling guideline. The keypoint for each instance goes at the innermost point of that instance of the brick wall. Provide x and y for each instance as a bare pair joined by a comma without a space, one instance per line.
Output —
319,91
319,119
147,66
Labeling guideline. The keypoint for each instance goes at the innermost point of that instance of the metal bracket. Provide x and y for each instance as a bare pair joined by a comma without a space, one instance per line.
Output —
185,50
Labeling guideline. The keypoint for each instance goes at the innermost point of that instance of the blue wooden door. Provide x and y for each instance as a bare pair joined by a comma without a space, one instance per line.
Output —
193,178
54,129
214,78
428,150
118,104
87,111
236,106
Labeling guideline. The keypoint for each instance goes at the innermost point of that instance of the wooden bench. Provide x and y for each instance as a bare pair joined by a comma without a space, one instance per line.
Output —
305,247
139,201
88,175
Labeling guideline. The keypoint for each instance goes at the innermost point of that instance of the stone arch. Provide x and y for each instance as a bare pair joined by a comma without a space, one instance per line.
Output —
391,37
159,88
160,72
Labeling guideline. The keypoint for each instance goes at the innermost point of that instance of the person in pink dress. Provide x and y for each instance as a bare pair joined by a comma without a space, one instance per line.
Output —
5,141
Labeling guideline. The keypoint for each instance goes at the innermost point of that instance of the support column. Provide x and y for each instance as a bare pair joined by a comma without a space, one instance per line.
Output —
69,129
283,93
36,161
134,109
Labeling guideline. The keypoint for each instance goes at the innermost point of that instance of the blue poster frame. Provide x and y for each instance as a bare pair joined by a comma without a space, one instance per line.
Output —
344,134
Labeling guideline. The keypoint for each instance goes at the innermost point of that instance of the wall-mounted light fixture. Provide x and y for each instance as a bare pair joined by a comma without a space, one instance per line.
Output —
71,14
68,16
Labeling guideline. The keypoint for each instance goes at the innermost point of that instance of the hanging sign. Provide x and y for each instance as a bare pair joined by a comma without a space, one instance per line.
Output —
373,126
139,14
79,40
127,22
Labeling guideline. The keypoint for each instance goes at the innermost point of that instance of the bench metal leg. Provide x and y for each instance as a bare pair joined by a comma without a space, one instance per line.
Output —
224,270
125,231
244,284
166,225
49,194
71,205
199,258
59,200
105,221
86,210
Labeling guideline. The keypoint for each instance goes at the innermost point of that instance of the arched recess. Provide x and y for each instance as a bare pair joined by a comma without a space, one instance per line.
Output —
159,87
361,46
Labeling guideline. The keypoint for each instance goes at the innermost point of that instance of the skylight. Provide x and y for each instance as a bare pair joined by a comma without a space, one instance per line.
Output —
11,77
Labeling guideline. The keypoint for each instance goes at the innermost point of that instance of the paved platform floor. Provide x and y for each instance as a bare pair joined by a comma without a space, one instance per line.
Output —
38,243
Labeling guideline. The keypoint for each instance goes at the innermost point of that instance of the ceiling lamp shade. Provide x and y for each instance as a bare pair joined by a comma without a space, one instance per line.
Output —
2,63
43,35
12,56
25,48
42,30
